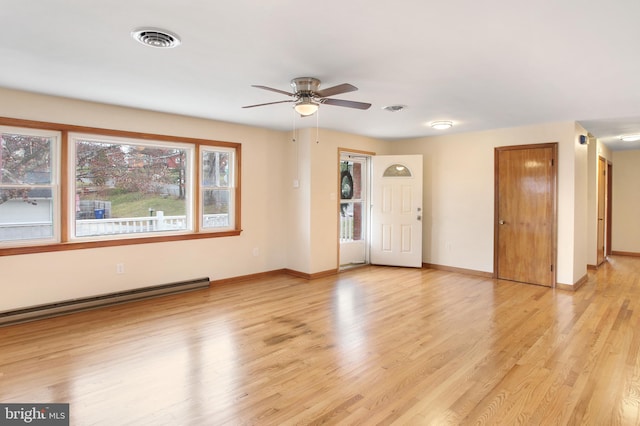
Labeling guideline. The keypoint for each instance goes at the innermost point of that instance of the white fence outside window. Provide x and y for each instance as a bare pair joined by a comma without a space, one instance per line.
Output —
109,226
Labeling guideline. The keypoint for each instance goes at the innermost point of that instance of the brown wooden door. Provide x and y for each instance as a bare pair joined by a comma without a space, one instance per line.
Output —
602,185
525,230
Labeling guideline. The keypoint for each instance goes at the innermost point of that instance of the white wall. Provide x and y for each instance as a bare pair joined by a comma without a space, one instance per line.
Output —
47,277
626,202
459,194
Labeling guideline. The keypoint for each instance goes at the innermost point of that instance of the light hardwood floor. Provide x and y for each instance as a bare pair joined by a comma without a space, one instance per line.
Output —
375,345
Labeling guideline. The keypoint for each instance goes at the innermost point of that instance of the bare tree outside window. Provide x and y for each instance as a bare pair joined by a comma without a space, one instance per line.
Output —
117,180
26,186
217,183
24,161
118,186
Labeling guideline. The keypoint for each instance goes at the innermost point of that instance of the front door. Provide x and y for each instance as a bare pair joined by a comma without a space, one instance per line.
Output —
396,210
525,228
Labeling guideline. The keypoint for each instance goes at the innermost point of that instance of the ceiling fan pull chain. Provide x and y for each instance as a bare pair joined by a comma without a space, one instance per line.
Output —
317,126
293,138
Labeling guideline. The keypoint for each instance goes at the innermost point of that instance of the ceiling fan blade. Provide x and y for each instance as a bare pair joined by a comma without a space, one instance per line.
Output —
268,103
348,104
273,90
336,90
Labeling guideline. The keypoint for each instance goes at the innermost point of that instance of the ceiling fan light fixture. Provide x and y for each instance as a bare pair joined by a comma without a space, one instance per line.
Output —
630,138
307,96
441,125
306,107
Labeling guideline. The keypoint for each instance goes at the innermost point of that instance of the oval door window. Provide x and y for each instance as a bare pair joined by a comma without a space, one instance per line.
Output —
397,170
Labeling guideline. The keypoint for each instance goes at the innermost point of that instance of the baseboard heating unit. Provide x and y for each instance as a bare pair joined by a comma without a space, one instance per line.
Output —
33,313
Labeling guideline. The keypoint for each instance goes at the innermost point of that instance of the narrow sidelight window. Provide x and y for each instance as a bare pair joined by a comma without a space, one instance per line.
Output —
217,187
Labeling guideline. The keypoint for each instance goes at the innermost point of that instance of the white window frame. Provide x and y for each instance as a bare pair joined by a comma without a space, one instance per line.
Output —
189,184
231,188
56,137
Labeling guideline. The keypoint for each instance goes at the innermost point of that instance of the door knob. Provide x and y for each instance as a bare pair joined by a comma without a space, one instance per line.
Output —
501,222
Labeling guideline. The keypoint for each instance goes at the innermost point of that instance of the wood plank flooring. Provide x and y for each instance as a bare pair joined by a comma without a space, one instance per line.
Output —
375,345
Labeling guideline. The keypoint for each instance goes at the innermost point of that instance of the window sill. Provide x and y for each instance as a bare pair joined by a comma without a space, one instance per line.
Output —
45,248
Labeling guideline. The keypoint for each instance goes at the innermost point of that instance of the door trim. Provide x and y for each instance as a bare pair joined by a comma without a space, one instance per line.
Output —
609,208
602,186
554,201
341,151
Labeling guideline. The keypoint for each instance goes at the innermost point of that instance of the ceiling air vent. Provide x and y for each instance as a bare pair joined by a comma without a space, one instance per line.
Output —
394,108
155,37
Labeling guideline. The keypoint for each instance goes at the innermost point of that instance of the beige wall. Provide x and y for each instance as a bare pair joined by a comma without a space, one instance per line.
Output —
291,227
297,239
47,277
626,202
319,176
459,195
296,227
596,149
576,253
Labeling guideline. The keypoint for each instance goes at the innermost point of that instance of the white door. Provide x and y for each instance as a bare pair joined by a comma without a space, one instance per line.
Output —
396,210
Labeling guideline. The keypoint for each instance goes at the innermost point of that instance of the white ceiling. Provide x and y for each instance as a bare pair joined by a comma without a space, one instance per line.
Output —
482,64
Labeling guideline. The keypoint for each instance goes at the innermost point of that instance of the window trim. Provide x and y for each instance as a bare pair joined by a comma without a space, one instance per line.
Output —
64,163
73,137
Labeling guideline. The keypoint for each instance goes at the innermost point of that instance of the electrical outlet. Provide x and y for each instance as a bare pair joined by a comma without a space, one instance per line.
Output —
119,268
256,251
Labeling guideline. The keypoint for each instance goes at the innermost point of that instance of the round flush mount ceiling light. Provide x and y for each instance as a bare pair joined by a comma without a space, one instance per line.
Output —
441,125
155,37
630,138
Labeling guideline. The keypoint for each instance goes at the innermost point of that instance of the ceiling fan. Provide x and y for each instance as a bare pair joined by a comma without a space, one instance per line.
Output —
307,96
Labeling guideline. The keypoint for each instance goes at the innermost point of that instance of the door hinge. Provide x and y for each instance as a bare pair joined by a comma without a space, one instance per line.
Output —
552,162
551,268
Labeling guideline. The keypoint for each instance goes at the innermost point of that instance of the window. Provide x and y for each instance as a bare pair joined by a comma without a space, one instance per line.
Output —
117,188
397,170
353,214
28,186
125,186
217,186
